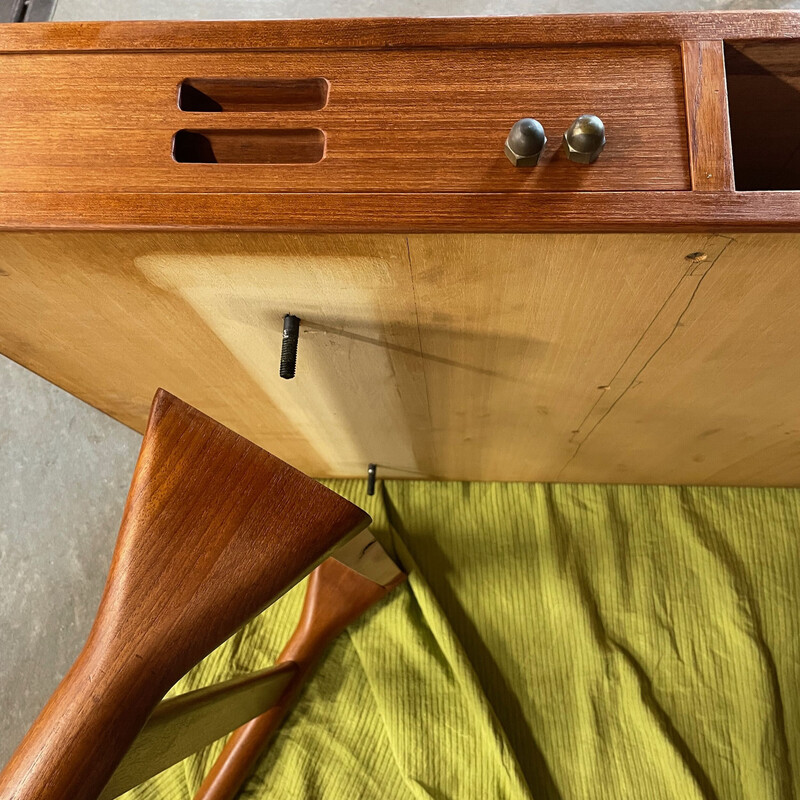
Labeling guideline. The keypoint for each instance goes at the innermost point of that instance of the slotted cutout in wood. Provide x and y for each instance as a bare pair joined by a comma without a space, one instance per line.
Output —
242,94
272,146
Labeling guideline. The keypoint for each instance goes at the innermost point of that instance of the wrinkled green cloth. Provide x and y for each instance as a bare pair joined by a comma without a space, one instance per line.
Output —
553,641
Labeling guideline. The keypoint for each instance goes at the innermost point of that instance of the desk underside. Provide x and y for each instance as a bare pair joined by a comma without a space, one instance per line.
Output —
668,358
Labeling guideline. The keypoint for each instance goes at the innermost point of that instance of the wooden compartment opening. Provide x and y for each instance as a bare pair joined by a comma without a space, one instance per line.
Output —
763,80
263,94
270,146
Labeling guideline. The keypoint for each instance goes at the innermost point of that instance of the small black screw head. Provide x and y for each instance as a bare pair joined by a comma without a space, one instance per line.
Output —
372,474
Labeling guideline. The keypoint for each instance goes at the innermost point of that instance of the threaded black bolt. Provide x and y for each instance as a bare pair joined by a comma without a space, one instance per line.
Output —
291,333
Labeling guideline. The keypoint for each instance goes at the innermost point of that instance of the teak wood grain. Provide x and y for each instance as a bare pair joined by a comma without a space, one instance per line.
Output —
335,598
424,323
213,531
415,121
710,153
435,212
400,33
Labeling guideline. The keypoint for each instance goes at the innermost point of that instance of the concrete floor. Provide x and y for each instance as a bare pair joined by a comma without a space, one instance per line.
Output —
66,467
65,472
289,9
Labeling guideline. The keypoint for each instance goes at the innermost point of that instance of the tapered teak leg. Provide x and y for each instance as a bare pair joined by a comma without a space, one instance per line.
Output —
336,596
214,529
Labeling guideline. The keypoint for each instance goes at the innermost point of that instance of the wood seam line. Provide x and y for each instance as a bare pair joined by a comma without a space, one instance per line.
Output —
432,440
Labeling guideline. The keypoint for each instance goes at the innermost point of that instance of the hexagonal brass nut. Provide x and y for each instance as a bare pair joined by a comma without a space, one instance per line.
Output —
521,161
580,157
585,139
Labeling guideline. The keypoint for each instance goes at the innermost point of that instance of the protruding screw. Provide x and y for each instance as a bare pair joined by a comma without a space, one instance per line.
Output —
525,142
372,474
585,139
291,333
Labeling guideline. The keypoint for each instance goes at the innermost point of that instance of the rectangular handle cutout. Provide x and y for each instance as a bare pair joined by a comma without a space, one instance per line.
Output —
263,94
271,146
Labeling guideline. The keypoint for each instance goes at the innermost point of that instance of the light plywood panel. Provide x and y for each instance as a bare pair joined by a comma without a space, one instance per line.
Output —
714,396
521,334
592,357
112,316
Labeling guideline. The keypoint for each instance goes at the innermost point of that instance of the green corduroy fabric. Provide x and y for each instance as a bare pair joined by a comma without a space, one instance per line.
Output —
553,641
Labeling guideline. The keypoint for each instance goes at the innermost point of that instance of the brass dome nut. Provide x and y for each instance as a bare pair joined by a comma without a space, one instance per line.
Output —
585,139
525,142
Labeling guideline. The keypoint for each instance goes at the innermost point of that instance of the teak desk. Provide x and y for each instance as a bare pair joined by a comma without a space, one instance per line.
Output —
168,191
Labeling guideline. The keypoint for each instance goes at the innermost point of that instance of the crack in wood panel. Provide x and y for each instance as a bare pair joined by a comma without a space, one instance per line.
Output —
657,333
517,332
714,399
450,356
